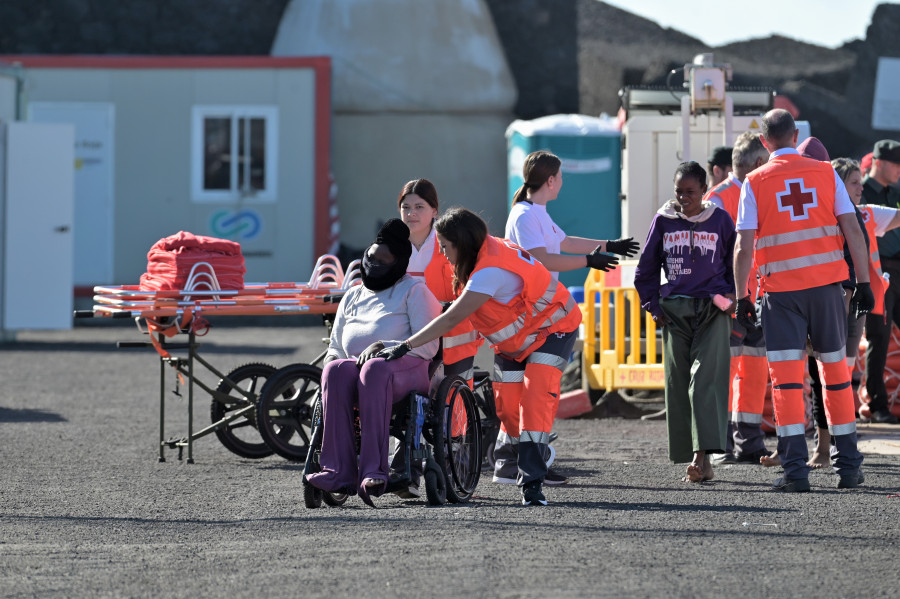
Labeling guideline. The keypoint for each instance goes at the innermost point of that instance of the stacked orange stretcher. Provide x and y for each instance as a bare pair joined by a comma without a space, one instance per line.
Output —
203,297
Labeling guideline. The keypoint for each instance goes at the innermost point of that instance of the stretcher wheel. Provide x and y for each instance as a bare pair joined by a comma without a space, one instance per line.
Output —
284,412
462,438
241,436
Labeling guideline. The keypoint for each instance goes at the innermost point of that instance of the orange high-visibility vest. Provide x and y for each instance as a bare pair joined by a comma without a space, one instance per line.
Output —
876,276
439,275
517,328
799,244
730,193
462,340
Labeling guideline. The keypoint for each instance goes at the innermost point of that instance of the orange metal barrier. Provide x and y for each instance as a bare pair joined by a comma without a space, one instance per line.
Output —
621,348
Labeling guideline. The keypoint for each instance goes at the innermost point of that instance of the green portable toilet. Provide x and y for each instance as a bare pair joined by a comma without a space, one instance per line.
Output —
591,152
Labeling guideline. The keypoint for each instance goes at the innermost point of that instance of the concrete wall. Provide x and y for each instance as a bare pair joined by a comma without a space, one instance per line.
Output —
421,89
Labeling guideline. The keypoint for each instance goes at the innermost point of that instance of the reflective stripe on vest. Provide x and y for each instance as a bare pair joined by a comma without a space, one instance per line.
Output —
778,266
461,339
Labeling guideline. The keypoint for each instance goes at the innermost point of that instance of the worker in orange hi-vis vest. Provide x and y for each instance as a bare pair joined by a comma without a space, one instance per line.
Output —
749,370
795,211
418,205
718,167
530,320
876,221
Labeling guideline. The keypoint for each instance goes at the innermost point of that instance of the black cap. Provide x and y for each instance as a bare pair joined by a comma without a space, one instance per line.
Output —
395,234
887,149
720,156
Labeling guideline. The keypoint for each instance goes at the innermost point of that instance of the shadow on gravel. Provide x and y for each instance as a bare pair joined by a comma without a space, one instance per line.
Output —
28,415
672,507
95,347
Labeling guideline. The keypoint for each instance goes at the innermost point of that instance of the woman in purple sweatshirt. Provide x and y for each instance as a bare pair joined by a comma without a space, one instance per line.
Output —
692,243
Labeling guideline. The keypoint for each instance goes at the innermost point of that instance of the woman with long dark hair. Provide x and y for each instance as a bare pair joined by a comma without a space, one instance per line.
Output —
529,319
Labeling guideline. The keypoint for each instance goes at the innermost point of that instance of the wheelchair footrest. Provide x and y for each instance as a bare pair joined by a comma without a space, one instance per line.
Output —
397,484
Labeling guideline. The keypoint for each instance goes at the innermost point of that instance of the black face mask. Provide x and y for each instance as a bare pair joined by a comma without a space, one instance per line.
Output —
377,276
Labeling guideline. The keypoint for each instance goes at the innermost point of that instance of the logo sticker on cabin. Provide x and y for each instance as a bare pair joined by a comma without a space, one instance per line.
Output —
236,224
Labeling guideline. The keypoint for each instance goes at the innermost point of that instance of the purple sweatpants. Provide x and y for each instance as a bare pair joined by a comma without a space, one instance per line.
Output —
374,388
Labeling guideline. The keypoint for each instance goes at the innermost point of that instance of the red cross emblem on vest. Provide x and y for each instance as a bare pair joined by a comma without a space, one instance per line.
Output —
796,199
866,216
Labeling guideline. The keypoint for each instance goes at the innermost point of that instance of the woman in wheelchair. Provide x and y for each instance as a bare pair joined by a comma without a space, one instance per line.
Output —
389,305
530,320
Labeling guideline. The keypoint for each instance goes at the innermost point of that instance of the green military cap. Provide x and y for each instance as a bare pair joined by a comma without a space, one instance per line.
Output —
887,149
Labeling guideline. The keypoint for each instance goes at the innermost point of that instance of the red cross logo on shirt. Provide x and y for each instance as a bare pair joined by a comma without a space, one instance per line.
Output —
796,199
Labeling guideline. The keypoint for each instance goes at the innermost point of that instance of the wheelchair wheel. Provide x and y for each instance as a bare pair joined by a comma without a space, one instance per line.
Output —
313,497
435,484
490,423
284,412
241,436
462,438
435,475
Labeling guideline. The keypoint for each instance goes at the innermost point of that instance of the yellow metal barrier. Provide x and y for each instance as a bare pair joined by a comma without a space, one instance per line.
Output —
618,356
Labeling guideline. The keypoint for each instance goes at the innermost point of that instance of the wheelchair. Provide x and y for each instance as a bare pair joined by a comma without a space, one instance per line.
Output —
443,428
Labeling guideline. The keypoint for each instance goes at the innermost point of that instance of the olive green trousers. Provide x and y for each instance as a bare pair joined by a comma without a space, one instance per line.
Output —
696,358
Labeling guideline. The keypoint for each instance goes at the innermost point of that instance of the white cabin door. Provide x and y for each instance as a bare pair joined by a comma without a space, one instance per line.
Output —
37,190
94,127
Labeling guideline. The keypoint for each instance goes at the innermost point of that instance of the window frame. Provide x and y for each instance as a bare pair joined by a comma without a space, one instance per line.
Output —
199,114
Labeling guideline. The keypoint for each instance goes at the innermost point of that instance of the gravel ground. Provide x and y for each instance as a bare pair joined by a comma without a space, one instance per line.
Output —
87,510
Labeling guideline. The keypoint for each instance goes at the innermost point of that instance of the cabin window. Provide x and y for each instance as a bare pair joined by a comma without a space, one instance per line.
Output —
234,153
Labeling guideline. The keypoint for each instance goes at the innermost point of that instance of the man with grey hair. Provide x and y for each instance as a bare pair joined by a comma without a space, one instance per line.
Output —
797,214
749,371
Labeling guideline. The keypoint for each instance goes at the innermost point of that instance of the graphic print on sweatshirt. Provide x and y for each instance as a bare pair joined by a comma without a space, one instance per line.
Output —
679,245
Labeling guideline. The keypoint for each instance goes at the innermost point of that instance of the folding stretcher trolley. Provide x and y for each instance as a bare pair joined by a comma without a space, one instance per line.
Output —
163,314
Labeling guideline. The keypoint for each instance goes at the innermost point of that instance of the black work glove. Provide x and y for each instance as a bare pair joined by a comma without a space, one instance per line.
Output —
369,353
601,261
746,313
863,301
624,247
393,353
